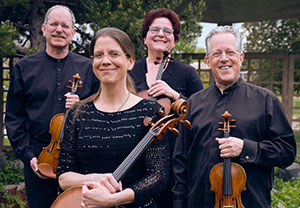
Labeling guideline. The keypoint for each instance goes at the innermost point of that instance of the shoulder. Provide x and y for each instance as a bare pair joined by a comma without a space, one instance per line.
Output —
79,58
182,66
202,94
257,90
138,67
33,58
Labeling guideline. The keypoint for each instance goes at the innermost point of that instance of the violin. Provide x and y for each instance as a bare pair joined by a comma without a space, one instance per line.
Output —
227,179
48,158
71,198
164,101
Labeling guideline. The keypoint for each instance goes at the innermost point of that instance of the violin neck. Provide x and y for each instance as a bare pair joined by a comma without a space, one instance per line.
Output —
161,68
125,166
227,179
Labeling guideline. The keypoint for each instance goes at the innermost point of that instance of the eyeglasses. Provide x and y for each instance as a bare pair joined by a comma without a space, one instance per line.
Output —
155,30
111,55
56,24
217,54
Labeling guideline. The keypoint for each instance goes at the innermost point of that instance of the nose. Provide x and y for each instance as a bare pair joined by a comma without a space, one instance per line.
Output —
224,56
106,59
161,33
59,28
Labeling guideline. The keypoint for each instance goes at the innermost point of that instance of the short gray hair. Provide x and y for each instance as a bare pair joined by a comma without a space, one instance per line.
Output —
59,6
224,29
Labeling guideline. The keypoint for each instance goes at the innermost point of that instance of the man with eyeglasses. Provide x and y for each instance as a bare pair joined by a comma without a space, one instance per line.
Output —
262,137
38,91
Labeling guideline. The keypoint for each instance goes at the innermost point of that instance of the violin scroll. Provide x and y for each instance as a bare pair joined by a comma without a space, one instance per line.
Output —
171,121
226,123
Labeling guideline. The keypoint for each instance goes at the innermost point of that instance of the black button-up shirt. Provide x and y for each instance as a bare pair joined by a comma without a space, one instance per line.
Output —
260,122
36,93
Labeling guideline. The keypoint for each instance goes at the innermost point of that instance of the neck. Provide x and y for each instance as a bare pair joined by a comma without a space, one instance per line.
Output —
57,53
223,86
112,99
152,56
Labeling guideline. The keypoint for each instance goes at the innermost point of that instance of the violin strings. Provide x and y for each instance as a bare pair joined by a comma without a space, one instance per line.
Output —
136,152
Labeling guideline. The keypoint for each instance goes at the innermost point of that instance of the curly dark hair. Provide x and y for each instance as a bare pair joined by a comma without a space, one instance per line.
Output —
162,12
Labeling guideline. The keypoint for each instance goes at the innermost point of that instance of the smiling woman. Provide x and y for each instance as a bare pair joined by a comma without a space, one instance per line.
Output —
103,129
161,32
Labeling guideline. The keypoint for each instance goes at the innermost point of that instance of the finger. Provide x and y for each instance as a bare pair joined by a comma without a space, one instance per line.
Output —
67,94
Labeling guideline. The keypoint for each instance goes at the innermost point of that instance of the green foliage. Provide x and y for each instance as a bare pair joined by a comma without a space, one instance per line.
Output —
286,194
273,36
128,16
8,34
11,175
9,200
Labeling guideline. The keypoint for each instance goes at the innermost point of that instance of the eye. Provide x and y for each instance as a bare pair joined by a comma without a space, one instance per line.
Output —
155,29
167,31
230,53
98,55
53,24
114,54
65,26
217,54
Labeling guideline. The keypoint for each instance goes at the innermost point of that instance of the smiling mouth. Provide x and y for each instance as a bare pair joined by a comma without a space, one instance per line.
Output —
225,67
58,36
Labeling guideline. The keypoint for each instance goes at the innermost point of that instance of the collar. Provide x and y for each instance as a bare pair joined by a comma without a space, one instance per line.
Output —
231,88
54,59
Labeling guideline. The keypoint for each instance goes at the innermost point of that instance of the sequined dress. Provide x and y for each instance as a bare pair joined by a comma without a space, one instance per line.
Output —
99,141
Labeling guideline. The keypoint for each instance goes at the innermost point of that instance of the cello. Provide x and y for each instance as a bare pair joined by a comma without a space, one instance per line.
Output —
71,198
227,179
164,101
48,158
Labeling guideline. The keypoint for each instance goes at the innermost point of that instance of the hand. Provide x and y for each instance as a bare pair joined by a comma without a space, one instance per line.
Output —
34,167
230,147
160,87
96,195
71,99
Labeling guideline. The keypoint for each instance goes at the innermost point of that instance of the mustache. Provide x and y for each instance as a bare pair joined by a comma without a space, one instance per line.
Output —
57,35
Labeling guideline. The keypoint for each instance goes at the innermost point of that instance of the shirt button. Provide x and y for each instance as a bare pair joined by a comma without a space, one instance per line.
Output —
58,69
58,83
247,157
59,99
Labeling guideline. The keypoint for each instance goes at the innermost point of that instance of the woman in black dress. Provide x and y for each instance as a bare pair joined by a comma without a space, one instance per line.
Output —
102,130
161,32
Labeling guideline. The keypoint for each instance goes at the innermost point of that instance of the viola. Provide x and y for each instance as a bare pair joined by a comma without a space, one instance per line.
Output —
71,198
48,158
227,179
164,101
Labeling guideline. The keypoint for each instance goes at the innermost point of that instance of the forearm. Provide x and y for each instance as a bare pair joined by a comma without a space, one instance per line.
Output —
72,179
125,197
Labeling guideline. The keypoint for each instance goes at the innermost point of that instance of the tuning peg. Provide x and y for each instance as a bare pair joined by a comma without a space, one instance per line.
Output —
80,86
220,122
69,86
161,113
70,82
175,131
220,129
166,53
187,124
232,126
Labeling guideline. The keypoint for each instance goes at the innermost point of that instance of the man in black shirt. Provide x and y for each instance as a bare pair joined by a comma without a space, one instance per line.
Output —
261,140
37,92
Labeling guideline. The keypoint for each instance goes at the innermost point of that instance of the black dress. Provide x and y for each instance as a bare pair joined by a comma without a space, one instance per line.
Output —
182,78
100,141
